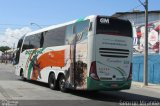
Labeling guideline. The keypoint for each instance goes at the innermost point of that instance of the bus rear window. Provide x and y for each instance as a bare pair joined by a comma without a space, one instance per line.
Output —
113,26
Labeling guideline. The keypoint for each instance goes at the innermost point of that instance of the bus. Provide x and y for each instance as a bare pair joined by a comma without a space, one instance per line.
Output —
91,53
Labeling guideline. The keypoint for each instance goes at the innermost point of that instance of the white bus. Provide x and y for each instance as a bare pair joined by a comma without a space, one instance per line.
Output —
93,53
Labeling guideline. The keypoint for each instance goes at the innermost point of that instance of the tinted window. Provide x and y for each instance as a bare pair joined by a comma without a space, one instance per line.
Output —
16,58
35,41
26,43
20,42
55,37
113,26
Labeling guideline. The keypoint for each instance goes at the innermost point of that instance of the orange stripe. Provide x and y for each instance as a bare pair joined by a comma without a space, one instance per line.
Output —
52,58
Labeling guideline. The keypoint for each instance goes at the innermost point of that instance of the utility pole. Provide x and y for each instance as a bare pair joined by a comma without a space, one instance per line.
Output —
145,75
146,45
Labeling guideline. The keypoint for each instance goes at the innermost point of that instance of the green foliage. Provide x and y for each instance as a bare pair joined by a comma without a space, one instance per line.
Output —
4,48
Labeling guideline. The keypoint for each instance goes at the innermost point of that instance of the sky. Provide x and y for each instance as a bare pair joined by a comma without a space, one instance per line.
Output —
16,16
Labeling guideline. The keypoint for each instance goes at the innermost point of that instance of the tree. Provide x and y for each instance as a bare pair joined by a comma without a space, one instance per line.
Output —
4,48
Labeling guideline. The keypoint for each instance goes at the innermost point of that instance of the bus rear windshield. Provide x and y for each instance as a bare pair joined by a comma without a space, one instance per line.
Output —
113,26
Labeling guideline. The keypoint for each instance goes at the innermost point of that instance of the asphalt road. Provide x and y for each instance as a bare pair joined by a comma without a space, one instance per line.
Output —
15,92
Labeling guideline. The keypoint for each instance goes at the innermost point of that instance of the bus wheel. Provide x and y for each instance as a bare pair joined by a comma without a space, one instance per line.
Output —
62,84
52,81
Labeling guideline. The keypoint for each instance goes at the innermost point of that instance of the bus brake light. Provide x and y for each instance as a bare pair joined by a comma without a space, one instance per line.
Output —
93,71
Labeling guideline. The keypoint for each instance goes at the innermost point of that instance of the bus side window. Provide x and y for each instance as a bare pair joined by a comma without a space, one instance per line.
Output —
34,41
54,37
26,44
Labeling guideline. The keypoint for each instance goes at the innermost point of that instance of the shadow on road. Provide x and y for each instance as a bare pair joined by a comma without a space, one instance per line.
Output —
108,96
115,96
36,83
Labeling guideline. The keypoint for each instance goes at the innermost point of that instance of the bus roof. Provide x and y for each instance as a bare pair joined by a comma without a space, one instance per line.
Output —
59,25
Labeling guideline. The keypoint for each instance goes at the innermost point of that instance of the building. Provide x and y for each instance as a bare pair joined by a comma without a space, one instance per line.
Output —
138,20
137,17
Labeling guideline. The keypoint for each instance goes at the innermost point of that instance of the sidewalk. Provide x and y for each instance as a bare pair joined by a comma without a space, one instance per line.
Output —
150,86
7,67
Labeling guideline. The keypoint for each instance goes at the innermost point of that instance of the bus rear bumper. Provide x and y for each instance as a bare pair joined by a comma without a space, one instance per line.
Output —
107,85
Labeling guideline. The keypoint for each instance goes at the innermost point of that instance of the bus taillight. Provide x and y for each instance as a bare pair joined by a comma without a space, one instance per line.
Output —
130,73
93,71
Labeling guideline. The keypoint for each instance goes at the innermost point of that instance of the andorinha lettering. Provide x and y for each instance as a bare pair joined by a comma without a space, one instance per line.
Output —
28,52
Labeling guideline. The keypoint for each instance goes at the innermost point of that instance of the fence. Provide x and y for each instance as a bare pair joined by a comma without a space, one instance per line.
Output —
153,68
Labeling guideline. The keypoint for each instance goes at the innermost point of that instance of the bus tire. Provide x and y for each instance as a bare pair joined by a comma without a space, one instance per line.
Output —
52,81
62,84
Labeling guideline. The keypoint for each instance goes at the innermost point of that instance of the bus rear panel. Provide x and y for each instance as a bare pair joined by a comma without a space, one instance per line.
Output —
112,67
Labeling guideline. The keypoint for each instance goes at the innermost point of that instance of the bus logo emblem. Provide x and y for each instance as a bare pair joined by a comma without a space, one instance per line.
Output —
104,21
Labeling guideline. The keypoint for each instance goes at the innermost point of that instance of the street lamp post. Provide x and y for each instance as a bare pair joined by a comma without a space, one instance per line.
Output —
35,24
14,37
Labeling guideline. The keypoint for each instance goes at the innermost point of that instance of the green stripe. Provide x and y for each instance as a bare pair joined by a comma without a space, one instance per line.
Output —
30,67
107,85
80,19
